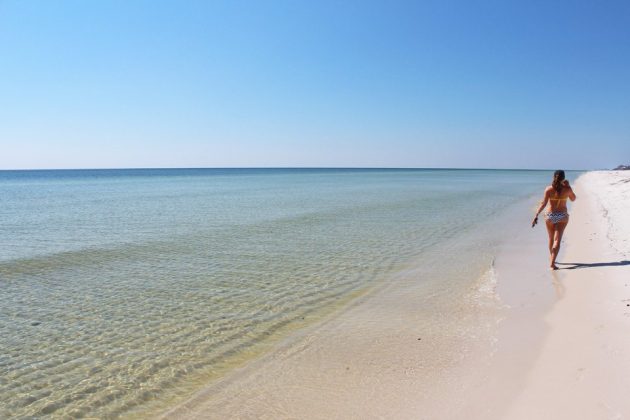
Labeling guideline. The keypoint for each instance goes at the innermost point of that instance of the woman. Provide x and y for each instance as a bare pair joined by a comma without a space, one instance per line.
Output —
556,216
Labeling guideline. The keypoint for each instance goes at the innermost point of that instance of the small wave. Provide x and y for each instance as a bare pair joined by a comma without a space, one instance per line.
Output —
484,291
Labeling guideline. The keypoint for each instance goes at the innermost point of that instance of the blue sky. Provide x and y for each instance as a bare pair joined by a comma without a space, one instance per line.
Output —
499,84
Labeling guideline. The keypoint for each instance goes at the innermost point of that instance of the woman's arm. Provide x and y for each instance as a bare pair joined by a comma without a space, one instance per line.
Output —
543,203
572,196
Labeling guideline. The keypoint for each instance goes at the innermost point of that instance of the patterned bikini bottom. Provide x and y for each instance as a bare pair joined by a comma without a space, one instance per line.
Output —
556,216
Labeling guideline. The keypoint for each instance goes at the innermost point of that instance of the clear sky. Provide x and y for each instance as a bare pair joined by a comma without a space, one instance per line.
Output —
499,84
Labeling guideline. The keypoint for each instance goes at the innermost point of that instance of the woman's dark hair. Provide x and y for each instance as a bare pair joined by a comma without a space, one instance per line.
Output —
558,177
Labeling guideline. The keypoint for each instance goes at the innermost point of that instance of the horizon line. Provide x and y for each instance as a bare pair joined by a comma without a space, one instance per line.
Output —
292,167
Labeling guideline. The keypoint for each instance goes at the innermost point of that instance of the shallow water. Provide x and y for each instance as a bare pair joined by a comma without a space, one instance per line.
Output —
123,290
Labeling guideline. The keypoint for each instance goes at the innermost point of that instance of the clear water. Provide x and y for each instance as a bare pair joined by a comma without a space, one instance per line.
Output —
120,289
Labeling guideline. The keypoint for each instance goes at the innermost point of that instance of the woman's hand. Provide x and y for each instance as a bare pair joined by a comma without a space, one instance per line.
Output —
565,183
534,221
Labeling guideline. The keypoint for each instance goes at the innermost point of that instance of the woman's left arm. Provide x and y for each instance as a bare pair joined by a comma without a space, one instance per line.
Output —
572,196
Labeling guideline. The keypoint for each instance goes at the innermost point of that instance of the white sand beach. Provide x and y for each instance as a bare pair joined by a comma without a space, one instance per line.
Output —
583,369
555,346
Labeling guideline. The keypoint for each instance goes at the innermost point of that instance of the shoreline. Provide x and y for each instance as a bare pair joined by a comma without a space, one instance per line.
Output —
532,363
346,358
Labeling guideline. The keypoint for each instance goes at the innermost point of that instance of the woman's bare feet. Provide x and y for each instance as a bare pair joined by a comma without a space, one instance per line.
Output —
553,267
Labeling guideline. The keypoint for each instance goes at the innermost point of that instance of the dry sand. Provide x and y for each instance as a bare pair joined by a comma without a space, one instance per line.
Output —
561,350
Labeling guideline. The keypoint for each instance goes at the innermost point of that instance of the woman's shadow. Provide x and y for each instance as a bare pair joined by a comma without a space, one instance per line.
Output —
573,266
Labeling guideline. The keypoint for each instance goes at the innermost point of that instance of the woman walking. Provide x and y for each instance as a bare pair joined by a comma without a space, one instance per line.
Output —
556,216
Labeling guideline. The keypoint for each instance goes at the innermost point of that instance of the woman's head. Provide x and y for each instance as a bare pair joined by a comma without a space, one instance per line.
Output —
558,177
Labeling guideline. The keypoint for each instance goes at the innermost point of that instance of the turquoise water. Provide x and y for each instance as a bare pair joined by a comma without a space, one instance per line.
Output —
121,288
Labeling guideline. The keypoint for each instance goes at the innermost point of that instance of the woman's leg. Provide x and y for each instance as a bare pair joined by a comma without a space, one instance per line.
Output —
551,232
559,230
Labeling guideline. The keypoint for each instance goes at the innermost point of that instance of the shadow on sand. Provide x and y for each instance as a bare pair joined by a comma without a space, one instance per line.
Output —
573,266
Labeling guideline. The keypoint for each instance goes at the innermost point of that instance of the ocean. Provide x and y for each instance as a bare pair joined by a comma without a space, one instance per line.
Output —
124,291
